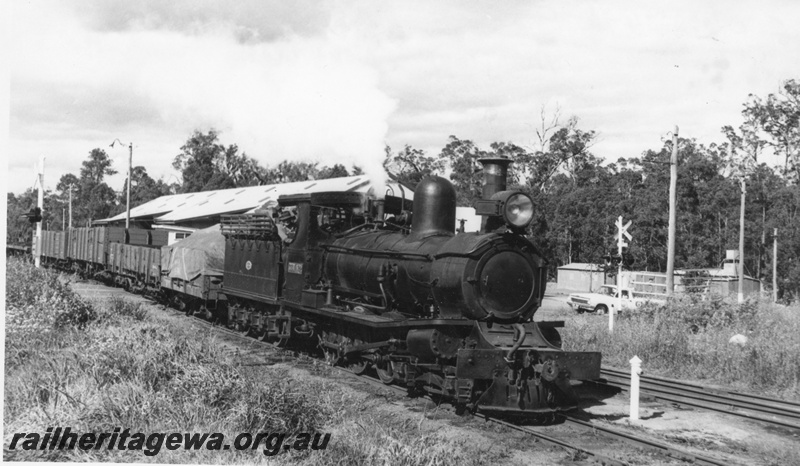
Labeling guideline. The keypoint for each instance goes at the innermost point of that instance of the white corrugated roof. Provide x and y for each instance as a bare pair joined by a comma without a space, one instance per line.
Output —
158,206
582,266
183,207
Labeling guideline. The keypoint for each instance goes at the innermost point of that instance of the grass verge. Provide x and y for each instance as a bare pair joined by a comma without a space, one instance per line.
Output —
689,339
94,368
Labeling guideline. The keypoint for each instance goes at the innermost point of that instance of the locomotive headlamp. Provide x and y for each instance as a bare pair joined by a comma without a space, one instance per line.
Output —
518,210
513,208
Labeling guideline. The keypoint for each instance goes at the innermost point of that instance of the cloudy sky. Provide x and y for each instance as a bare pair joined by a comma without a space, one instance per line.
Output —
335,81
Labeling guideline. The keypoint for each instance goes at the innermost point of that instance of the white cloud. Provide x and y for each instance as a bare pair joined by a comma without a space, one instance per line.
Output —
335,82
302,98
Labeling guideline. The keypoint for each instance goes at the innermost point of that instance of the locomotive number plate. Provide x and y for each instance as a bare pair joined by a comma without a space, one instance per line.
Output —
296,267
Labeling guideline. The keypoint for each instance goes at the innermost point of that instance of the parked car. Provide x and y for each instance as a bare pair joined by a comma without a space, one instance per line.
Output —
604,299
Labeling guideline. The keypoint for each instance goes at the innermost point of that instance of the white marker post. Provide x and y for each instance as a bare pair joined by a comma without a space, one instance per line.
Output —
622,233
636,370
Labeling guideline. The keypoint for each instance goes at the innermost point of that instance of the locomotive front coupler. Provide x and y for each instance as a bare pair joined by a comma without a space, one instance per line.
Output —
519,333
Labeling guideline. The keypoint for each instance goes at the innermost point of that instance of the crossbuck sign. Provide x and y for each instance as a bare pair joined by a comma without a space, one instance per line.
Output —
622,235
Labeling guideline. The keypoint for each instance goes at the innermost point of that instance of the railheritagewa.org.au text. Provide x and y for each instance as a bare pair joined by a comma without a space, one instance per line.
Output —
269,443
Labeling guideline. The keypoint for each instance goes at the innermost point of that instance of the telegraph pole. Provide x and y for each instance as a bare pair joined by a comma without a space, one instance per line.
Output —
673,188
775,266
70,205
130,175
37,259
741,244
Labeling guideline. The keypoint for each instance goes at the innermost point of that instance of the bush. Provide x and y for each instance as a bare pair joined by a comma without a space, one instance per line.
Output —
689,338
123,308
38,302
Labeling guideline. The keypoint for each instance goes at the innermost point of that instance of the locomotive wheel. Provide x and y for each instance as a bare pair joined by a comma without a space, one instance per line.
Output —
358,366
244,329
385,372
181,305
601,309
278,342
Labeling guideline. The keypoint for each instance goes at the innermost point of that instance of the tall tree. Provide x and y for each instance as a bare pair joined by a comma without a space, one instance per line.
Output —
18,229
411,165
143,189
336,171
779,116
462,157
466,172
198,162
562,149
96,167
93,199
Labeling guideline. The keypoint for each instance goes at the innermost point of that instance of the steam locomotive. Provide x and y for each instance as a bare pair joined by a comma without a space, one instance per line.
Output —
375,284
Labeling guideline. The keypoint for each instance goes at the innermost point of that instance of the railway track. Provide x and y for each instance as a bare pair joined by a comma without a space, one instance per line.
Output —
637,440
540,433
780,413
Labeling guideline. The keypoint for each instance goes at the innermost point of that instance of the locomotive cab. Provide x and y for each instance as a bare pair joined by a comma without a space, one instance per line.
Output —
319,217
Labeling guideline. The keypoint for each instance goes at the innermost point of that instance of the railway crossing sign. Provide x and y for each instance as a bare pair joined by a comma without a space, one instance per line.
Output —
622,234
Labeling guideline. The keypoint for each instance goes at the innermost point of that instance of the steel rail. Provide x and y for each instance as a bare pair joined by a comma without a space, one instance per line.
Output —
724,401
599,458
631,439
794,406
653,445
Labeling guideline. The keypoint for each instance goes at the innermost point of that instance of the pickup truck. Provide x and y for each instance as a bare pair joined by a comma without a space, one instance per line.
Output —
603,299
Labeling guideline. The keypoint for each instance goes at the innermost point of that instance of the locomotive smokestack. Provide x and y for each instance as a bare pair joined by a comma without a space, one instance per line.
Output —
434,208
495,174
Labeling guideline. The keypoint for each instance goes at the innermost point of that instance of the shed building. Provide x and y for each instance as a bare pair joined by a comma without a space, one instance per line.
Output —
182,214
580,277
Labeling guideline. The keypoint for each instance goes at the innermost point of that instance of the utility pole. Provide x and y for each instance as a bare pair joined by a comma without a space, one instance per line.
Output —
130,175
70,205
741,244
775,266
37,260
673,188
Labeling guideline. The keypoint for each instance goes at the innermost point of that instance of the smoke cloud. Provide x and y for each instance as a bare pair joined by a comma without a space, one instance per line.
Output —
299,97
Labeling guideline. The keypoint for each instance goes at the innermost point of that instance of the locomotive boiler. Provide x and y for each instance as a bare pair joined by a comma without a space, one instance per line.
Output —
431,271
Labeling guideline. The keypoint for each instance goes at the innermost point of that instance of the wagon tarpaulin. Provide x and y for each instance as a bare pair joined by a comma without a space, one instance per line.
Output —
202,253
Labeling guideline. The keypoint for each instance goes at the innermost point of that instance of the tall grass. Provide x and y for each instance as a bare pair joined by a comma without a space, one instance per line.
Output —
96,367
689,338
